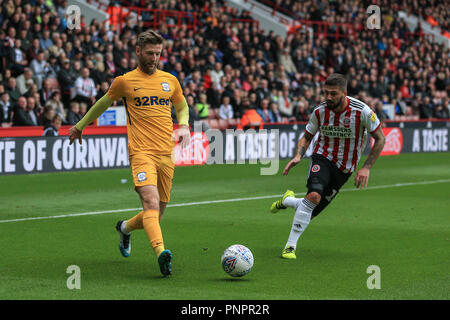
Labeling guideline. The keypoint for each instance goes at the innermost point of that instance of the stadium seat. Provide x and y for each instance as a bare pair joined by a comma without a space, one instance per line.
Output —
213,123
223,124
233,122
213,114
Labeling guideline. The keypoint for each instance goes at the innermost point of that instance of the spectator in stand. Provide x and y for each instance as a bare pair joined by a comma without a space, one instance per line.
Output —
56,104
40,68
104,86
33,112
263,92
440,111
285,60
21,116
400,104
202,107
122,68
73,115
265,112
302,113
275,112
66,79
285,104
226,111
47,116
83,109
217,73
109,63
53,129
381,114
213,94
20,62
45,41
45,92
98,73
33,50
25,81
85,89
6,110
250,119
12,90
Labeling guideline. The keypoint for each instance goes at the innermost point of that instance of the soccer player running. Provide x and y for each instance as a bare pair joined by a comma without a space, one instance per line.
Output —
342,123
147,94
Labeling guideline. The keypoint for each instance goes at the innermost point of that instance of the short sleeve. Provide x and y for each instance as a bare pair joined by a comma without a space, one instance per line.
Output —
313,123
177,95
117,88
370,120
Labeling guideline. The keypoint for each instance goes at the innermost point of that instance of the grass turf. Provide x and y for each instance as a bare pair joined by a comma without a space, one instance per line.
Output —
403,230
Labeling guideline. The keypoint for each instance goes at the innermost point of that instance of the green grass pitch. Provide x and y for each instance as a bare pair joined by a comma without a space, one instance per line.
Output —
400,223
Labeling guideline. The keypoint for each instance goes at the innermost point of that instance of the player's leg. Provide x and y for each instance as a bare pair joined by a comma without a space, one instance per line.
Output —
338,179
319,177
124,227
150,202
165,169
144,172
162,208
287,200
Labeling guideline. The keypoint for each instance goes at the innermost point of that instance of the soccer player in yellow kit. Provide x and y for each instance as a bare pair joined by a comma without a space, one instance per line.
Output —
147,94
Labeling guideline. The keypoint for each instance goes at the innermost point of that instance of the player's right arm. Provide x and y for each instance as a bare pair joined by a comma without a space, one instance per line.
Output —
302,146
114,93
304,142
96,110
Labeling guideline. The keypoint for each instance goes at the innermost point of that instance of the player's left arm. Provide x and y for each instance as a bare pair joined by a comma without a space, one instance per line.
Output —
362,175
182,135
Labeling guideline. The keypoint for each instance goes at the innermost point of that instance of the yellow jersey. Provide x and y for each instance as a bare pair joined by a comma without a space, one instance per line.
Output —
147,100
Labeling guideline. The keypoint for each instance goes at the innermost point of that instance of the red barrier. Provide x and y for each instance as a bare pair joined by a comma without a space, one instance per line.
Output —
157,17
63,131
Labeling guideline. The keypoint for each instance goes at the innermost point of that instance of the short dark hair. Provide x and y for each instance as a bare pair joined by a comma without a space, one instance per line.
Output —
149,36
337,80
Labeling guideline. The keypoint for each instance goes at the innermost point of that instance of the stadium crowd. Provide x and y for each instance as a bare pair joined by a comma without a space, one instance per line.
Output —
229,68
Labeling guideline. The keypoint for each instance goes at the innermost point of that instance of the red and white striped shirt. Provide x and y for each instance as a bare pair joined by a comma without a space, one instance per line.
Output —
343,135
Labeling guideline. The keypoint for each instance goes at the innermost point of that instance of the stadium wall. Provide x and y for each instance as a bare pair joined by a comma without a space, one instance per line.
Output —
106,148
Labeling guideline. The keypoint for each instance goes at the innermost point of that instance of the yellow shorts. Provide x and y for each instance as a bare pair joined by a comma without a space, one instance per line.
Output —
153,169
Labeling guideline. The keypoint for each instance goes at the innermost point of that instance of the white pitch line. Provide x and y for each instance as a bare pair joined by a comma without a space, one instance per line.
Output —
396,185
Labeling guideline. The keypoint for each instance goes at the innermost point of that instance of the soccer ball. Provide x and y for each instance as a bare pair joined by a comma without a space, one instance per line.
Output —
237,260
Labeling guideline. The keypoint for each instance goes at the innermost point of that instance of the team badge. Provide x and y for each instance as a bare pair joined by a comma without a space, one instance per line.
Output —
315,168
165,86
142,176
346,122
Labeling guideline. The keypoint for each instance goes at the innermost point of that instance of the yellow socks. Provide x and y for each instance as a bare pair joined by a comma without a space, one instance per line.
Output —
150,222
135,223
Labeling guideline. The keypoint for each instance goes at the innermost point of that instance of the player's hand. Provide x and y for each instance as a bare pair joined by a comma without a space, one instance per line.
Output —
362,177
74,133
183,136
291,164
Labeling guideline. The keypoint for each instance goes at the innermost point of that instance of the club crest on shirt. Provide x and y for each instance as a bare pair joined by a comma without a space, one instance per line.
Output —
165,86
142,176
315,168
346,122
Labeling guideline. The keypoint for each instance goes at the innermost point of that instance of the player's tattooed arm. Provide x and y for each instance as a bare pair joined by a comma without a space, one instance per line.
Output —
304,143
379,138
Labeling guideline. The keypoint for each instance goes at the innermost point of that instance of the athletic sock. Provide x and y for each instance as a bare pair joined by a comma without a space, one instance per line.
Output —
300,222
291,202
150,221
134,223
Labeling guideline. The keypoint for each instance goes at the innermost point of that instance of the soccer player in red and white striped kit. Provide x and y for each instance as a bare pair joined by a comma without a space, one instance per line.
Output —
342,123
